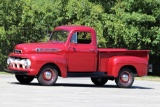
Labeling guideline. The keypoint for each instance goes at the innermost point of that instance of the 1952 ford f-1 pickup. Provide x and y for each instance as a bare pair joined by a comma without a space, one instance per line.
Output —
72,52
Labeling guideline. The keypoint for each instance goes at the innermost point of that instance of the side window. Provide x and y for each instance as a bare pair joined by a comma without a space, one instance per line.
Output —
81,38
74,38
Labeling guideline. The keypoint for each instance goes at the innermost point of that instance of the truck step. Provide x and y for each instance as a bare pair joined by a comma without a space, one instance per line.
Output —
86,74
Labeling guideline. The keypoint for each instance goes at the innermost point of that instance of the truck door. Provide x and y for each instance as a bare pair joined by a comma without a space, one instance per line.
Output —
81,53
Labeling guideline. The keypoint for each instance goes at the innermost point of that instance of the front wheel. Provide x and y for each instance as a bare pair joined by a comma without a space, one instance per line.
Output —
24,79
48,75
125,78
99,80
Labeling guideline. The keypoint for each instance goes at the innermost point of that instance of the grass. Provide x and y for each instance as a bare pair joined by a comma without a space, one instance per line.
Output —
148,78
2,72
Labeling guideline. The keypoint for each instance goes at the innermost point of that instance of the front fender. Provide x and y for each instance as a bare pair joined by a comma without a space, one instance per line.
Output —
117,62
41,59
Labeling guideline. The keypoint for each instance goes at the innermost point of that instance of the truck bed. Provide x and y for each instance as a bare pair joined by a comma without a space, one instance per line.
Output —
120,52
105,55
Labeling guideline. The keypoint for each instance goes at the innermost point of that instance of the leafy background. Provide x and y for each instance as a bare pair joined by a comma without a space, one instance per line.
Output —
131,24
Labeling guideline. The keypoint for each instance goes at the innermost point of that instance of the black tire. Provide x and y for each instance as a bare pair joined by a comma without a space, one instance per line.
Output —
48,75
99,80
125,78
24,79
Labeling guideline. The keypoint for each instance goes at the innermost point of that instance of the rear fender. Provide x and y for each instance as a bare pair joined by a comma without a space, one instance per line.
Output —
140,65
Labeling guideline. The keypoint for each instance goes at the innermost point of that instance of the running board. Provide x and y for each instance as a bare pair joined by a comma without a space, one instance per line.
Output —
86,74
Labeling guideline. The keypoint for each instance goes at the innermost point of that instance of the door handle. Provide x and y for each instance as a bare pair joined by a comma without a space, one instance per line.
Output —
74,49
91,50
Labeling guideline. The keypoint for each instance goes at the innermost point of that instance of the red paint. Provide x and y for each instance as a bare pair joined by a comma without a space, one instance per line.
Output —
72,57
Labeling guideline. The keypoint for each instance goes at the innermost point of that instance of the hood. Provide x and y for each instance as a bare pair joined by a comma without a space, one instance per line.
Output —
43,47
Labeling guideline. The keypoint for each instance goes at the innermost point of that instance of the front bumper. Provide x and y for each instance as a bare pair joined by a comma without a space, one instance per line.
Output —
19,72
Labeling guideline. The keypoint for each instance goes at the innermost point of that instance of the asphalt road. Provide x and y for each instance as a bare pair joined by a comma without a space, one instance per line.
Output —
77,92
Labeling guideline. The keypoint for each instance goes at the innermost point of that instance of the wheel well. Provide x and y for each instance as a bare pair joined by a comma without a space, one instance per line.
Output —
130,67
52,64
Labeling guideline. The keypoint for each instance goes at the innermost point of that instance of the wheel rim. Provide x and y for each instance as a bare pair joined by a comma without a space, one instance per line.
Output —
48,74
125,77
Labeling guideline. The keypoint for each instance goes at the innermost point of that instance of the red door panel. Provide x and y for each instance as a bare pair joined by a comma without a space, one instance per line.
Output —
81,58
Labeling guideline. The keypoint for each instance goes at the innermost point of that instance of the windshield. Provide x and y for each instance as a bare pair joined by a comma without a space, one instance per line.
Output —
59,36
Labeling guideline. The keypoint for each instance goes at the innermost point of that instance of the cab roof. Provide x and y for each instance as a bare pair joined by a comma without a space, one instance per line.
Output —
74,27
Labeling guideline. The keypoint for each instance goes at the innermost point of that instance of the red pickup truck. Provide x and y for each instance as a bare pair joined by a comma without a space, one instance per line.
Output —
72,52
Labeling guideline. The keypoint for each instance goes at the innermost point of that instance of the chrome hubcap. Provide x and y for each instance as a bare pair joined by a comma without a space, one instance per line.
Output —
48,75
125,78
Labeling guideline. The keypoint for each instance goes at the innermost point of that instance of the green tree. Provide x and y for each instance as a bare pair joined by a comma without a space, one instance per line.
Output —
10,11
131,24
135,24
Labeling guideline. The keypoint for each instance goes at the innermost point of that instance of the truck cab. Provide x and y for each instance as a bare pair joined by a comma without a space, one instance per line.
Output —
72,52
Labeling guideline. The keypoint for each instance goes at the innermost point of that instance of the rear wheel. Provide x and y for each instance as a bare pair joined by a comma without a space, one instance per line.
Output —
24,79
99,80
48,75
125,78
